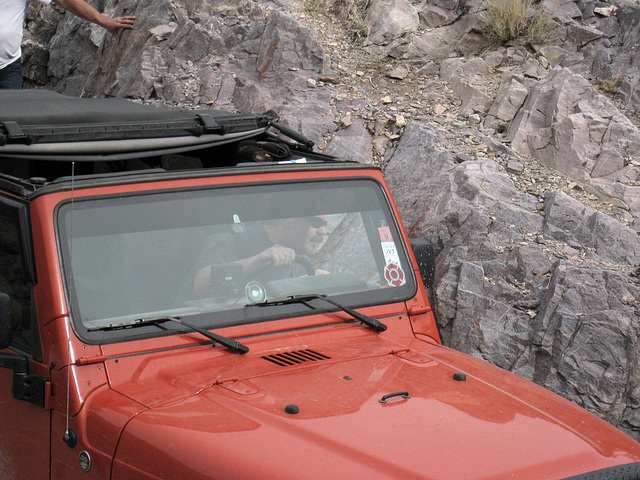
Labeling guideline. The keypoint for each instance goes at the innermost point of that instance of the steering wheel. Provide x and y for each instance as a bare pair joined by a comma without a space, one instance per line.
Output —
301,260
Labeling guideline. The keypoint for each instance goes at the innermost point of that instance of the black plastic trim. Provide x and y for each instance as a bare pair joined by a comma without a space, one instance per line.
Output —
158,175
16,186
14,134
14,361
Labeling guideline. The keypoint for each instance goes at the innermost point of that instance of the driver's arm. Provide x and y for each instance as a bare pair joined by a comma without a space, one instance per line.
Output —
277,255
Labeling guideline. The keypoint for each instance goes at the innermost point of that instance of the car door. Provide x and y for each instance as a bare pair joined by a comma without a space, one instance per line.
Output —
25,438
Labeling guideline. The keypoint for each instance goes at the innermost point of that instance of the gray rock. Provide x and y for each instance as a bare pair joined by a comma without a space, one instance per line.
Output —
554,54
508,101
418,170
390,19
453,5
438,15
583,34
505,290
460,73
569,221
586,341
398,73
562,9
352,143
566,124
454,67
41,23
285,44
514,166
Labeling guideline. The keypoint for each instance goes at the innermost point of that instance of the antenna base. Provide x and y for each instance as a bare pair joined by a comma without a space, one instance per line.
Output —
70,438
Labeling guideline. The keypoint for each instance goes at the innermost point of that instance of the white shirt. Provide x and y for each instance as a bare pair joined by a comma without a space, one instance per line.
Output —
11,22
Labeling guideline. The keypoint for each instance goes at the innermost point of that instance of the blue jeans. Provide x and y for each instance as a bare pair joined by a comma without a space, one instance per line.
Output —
11,76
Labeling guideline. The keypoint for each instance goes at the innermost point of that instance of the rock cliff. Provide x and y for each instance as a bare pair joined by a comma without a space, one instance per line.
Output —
507,156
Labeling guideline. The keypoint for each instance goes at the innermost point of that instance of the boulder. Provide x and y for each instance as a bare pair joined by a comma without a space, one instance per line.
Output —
601,237
352,142
390,19
549,295
41,23
436,13
566,124
508,101
586,341
181,53
286,45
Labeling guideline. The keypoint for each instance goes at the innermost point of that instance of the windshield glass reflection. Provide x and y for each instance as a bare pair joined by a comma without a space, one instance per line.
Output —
208,253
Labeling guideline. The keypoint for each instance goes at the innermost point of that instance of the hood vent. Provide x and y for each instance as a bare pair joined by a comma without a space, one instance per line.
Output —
294,358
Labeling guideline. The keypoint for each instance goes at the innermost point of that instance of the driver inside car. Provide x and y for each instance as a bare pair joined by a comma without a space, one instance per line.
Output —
270,250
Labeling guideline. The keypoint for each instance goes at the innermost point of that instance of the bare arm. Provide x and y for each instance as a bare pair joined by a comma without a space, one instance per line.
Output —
83,10
277,255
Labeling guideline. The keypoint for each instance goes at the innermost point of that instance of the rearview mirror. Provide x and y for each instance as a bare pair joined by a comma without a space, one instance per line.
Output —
5,320
426,257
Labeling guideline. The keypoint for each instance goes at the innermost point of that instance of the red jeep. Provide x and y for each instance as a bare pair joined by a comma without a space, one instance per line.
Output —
198,295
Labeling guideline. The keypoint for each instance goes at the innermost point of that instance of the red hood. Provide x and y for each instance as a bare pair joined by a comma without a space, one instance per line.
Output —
447,429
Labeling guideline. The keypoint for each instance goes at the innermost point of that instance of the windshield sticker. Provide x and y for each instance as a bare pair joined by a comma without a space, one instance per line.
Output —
393,273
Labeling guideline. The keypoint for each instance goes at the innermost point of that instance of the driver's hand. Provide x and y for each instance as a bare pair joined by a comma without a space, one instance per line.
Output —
279,255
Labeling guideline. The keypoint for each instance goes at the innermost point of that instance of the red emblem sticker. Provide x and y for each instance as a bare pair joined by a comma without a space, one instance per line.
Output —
394,275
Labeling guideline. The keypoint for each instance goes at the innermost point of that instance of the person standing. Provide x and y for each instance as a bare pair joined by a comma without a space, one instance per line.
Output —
12,13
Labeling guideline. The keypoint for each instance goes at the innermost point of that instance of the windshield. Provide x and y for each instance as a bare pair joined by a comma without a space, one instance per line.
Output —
210,256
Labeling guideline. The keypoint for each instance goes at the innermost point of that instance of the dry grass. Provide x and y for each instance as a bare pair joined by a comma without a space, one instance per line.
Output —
313,7
357,28
510,19
610,87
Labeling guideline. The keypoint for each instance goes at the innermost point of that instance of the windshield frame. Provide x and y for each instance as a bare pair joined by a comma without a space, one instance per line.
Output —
234,317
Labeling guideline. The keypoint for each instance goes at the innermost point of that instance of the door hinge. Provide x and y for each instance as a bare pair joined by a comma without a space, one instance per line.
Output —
417,310
35,389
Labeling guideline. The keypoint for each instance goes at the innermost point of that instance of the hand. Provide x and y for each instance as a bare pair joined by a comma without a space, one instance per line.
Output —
114,25
84,10
278,255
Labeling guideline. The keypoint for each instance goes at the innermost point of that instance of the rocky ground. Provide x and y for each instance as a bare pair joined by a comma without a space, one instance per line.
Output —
370,89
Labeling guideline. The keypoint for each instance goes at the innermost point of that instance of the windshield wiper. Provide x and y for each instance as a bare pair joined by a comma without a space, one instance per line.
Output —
140,322
368,321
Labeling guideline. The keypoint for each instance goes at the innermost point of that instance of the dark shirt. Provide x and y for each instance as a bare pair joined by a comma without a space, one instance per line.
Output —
230,247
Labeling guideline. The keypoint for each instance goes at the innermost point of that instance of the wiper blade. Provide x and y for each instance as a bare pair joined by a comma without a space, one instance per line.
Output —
368,321
140,322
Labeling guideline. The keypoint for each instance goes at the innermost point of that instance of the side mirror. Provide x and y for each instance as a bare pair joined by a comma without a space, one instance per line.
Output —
5,320
426,257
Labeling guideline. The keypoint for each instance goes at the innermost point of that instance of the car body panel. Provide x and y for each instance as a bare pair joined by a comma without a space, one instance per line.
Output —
320,392
446,429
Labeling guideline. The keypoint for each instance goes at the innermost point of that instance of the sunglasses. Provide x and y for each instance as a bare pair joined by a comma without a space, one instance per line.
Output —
316,222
